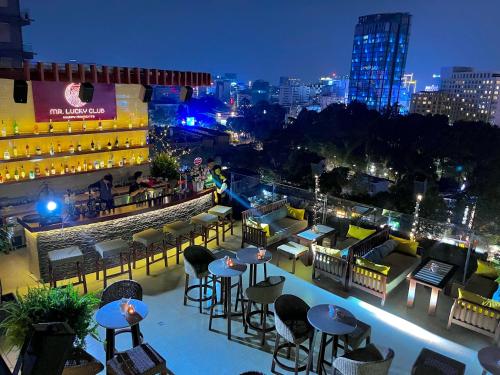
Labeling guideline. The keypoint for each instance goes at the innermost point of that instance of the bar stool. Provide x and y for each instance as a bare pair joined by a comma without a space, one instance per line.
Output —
64,257
225,215
264,293
154,241
207,222
196,261
354,340
181,231
141,360
109,249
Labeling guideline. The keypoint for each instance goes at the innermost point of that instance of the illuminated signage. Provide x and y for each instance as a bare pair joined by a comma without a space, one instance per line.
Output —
60,101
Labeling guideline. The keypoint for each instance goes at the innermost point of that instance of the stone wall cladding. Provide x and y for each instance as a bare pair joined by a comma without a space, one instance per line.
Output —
86,236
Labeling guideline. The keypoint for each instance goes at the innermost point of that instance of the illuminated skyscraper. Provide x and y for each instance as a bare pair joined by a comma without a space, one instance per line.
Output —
378,59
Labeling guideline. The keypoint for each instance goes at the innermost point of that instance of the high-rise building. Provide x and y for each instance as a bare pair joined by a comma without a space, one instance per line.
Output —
408,88
226,88
436,83
430,102
378,59
293,92
473,93
12,49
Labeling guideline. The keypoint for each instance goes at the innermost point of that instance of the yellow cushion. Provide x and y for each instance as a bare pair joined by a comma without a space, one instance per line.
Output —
328,251
359,233
486,269
254,224
295,213
384,270
405,246
477,299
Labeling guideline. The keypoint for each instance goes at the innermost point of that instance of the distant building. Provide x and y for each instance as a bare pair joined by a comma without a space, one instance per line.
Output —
378,59
408,88
226,88
473,93
259,91
334,88
436,83
12,49
431,102
293,93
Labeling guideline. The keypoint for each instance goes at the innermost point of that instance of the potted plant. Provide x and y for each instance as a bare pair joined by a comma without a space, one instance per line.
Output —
165,166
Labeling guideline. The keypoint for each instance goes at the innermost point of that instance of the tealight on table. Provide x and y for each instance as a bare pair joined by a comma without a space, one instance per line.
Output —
219,269
342,324
110,317
250,256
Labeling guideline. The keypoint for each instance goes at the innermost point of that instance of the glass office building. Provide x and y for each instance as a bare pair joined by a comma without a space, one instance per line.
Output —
378,59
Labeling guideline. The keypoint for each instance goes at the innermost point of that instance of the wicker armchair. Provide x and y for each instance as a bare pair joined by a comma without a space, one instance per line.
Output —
358,362
121,289
82,363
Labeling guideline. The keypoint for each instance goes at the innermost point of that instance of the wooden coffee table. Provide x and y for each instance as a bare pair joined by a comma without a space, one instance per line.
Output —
433,274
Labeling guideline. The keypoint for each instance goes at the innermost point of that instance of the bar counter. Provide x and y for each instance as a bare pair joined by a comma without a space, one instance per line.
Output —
122,222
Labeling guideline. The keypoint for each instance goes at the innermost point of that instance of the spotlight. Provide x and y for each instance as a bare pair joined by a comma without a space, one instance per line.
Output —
51,206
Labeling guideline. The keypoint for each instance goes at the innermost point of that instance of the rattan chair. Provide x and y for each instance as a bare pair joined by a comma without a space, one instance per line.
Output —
82,363
290,318
371,360
196,261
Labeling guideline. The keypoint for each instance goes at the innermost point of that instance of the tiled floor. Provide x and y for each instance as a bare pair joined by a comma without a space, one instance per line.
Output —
181,334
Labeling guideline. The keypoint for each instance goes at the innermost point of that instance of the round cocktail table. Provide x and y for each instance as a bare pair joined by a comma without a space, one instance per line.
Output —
219,269
342,324
248,255
111,318
489,358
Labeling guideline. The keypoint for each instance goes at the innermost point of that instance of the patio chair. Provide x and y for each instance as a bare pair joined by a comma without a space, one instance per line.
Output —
371,360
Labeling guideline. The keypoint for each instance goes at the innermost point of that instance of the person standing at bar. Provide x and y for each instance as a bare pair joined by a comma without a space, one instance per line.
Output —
221,183
105,187
138,188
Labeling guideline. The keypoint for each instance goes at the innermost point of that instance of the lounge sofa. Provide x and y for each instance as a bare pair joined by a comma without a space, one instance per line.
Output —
267,225
381,269
474,308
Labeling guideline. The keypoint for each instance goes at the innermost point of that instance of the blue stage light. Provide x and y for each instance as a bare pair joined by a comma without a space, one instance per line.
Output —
51,206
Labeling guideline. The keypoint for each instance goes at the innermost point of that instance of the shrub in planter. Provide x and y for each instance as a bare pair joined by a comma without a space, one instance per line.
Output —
166,166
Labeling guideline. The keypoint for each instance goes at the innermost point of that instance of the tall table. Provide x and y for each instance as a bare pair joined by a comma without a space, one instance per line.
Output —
342,324
489,358
219,269
110,317
315,235
433,274
249,255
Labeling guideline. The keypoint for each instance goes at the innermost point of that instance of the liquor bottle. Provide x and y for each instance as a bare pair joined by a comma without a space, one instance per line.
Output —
84,127
127,143
4,131
61,171
85,167
114,123
132,160
51,126
66,168
59,149
28,154
101,164
139,159
142,142
142,124
47,172
1,179
32,174
130,126
79,147
96,164
14,150
51,149
16,174
92,146
71,149
109,145
52,169
124,161
99,146
99,125
70,130
116,142
7,174
37,170
6,154
16,128
120,163
36,131
23,172
38,150
110,161
78,167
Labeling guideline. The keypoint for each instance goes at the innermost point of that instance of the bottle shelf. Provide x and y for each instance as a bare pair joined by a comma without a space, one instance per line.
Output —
56,155
12,181
62,134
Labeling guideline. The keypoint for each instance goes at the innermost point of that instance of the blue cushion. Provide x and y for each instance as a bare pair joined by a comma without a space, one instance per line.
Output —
273,216
496,295
378,253
373,256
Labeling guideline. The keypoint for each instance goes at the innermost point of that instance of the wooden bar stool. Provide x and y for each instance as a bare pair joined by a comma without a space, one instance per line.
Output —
154,242
225,215
64,257
141,360
207,222
180,231
110,249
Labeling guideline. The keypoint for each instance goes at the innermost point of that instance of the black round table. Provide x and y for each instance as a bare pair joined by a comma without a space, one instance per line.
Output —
489,358
342,324
248,255
219,269
110,317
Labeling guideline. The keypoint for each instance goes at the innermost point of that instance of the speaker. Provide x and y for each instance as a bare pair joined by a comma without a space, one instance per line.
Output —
186,93
146,93
20,91
86,92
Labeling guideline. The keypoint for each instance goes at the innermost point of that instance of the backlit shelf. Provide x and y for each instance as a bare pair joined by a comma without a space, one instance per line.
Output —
62,134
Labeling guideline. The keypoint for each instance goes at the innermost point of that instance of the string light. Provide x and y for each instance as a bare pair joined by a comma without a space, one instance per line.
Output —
414,225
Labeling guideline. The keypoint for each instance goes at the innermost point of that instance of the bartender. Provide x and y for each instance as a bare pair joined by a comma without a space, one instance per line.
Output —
138,188
105,187
221,183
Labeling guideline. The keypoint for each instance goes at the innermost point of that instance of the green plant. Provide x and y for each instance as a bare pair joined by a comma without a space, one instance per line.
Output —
5,239
43,305
165,165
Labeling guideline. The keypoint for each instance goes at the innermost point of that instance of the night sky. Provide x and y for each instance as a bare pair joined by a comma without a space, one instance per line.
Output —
257,38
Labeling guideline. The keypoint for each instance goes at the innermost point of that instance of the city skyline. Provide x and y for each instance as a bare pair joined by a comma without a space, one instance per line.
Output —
259,40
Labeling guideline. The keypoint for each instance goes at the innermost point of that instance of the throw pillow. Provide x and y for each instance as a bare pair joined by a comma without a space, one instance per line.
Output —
254,224
477,299
386,248
373,256
384,270
328,251
405,246
295,213
358,232
486,269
